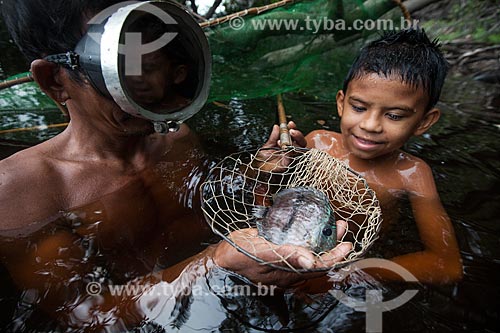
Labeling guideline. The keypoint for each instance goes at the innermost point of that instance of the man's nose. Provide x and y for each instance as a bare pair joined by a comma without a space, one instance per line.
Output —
371,122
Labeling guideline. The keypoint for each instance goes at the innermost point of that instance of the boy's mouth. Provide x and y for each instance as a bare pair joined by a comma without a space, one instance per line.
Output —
365,143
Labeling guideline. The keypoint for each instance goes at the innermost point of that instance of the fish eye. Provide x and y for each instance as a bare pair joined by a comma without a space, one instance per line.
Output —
327,231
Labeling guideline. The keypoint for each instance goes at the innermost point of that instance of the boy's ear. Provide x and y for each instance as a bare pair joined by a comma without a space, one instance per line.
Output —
340,102
48,76
429,119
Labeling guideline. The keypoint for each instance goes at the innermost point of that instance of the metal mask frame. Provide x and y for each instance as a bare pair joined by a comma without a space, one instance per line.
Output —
97,54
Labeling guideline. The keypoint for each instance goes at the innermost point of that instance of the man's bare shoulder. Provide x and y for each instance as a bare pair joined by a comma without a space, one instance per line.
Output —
27,187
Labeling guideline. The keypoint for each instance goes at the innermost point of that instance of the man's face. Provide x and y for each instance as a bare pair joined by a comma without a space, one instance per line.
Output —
104,114
379,114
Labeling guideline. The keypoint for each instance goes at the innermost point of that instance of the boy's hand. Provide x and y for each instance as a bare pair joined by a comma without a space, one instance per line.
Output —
271,157
298,139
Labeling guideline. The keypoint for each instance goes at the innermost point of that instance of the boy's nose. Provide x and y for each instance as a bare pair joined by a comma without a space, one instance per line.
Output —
371,123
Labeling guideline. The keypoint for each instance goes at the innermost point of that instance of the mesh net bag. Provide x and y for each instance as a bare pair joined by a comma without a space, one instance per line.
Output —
246,180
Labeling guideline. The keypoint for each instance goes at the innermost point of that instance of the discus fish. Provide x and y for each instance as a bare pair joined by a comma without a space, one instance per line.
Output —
298,216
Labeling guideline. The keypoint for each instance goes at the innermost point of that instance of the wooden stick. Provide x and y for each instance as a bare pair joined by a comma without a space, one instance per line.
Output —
13,82
250,11
404,10
286,140
37,128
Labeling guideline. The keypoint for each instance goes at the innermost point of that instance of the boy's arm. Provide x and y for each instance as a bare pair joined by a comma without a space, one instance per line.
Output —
440,260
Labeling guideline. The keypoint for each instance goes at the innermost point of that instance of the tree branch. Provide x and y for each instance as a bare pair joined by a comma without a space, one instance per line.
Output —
212,9
414,5
194,7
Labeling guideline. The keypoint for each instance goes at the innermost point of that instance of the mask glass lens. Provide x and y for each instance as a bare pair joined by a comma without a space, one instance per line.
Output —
157,70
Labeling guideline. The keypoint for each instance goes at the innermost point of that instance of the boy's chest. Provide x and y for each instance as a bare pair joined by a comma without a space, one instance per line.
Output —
390,190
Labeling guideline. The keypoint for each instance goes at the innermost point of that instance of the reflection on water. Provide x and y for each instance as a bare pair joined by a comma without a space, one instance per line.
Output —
462,150
150,223
208,298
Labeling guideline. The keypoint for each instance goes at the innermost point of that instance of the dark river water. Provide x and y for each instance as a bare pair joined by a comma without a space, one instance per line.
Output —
463,151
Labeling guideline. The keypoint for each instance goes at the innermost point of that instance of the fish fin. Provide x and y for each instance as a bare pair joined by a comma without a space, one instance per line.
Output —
258,224
259,211
333,225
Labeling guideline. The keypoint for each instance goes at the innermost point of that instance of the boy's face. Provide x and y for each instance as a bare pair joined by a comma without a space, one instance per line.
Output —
379,114
155,84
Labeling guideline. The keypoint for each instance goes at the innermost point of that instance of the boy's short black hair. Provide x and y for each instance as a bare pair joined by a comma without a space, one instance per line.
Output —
408,54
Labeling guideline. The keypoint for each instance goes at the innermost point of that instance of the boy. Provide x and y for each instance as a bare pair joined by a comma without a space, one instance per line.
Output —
388,96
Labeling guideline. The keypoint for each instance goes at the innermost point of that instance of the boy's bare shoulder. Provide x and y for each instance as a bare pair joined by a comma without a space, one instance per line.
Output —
415,172
406,161
319,138
323,132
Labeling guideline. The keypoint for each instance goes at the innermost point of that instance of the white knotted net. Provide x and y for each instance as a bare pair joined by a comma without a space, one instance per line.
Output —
245,180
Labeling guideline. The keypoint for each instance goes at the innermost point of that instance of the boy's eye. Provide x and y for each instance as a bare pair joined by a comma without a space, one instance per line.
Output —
358,108
394,116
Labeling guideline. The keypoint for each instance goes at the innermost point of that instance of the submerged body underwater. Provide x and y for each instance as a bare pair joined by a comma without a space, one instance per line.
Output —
461,151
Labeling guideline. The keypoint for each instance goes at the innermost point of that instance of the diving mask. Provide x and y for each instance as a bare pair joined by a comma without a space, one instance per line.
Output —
152,58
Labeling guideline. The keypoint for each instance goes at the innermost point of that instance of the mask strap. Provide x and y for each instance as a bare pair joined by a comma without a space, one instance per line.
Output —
69,59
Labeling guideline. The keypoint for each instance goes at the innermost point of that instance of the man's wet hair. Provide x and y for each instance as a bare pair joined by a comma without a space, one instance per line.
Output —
44,27
407,54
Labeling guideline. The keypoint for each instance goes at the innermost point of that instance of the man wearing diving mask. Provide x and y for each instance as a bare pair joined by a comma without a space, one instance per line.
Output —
108,199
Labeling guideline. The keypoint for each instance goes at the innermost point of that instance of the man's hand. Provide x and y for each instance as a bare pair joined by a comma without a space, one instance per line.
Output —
229,257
